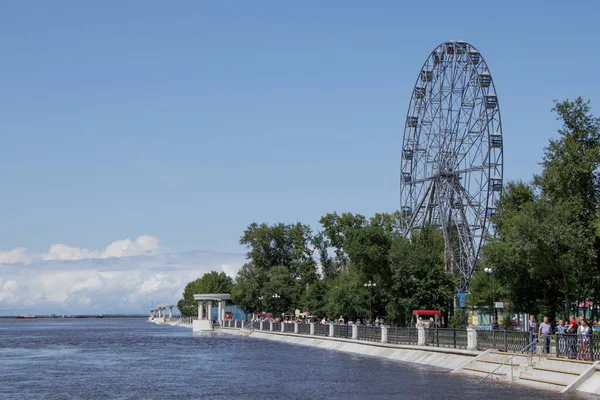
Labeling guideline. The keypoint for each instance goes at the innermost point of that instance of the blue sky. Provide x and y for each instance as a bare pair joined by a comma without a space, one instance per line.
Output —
189,120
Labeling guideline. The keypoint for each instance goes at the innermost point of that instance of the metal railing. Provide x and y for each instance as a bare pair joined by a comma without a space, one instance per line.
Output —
527,349
276,326
288,328
402,336
502,340
304,329
585,347
342,331
256,325
321,330
446,337
370,333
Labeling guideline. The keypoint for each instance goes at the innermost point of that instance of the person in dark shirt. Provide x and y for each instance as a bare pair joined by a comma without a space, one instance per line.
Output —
533,328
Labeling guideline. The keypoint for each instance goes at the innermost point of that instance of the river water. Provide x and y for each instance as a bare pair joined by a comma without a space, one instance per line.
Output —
134,359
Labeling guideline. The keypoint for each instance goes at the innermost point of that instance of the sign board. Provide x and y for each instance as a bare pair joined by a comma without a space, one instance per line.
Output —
461,299
499,304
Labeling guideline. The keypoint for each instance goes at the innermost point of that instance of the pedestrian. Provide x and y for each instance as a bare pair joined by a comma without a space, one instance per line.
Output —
544,333
572,336
533,328
586,331
432,329
561,344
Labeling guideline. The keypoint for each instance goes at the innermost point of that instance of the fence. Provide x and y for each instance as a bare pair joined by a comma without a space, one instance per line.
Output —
370,333
586,347
304,329
402,336
502,340
573,346
442,337
342,331
321,330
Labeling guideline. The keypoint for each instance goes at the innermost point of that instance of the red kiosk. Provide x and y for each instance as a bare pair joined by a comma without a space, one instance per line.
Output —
426,314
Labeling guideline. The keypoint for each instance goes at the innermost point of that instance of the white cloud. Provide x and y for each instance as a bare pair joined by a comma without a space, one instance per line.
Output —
143,245
65,252
18,255
125,277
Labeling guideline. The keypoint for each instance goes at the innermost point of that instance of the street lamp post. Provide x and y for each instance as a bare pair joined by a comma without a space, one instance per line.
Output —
276,296
370,285
490,271
299,278
260,300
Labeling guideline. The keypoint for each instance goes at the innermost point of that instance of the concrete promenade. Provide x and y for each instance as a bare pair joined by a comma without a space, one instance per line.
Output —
547,373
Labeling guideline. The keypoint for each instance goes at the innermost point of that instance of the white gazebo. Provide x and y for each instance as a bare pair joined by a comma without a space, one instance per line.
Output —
204,323
159,314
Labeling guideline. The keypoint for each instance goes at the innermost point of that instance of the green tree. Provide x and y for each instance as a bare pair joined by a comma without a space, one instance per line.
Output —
212,282
280,262
418,275
537,251
545,252
347,297
246,291
280,292
571,183
331,241
483,291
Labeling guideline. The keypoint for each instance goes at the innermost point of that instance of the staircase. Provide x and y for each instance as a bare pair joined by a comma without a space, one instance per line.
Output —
495,365
549,373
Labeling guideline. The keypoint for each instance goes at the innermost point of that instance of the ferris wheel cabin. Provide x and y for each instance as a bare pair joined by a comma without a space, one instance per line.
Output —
461,47
406,176
496,140
406,211
412,121
407,154
496,183
419,92
427,75
475,57
485,79
491,101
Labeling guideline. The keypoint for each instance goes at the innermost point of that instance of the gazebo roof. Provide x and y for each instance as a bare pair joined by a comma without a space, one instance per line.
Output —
212,296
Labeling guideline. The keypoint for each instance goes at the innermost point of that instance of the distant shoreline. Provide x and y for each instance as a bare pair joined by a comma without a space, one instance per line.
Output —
78,316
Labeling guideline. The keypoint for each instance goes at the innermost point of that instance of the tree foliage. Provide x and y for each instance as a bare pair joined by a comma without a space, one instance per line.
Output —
544,255
212,282
280,267
419,280
546,250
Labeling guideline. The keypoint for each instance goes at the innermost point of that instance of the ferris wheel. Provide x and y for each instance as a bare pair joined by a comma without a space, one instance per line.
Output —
451,165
